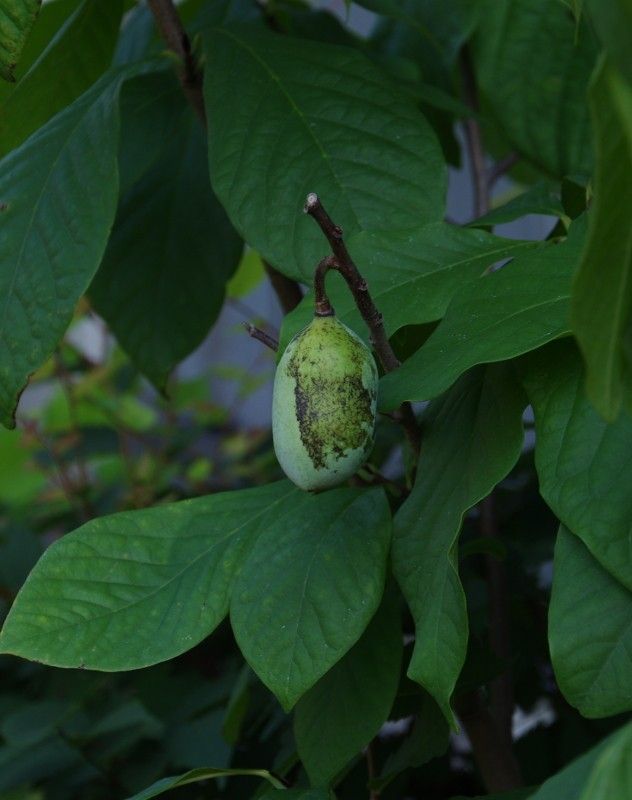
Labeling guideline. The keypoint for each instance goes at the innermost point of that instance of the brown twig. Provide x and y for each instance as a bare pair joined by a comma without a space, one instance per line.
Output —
344,264
370,768
489,731
170,26
261,336
501,167
288,291
494,757
501,688
473,136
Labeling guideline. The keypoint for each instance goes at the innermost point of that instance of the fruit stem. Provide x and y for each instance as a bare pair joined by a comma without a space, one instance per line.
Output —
322,306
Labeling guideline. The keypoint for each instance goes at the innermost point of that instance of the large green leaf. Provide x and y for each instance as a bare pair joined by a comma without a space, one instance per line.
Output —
573,782
533,65
202,774
161,283
613,21
77,55
310,586
346,708
612,774
412,275
590,635
287,117
138,587
58,195
472,438
16,20
602,294
584,464
516,309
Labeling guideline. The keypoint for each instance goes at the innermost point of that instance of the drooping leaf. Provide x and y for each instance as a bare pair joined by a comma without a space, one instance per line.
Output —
16,20
139,587
533,63
161,283
287,117
58,195
78,54
602,293
412,275
346,708
310,586
472,438
202,774
583,462
516,309
589,631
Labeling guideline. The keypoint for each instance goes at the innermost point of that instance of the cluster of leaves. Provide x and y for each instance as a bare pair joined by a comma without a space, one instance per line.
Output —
105,195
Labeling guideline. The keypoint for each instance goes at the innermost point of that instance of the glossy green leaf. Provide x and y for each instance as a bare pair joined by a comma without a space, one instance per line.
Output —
515,309
161,283
288,117
602,294
78,54
58,195
135,588
16,20
584,464
612,774
539,199
472,438
346,708
590,636
202,774
571,782
310,586
412,275
533,64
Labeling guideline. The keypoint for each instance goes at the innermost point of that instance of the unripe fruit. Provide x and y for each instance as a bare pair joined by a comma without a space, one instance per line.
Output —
324,404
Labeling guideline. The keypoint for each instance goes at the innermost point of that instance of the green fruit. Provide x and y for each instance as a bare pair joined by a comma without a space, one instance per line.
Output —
324,404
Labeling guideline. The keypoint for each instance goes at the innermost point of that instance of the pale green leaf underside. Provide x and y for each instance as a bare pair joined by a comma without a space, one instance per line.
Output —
288,117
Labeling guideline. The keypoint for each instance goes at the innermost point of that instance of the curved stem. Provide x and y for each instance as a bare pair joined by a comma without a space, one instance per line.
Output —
344,264
322,306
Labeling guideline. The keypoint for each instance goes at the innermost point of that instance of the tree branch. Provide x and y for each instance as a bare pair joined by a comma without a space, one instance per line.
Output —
261,336
501,167
172,31
344,264
473,136
494,757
